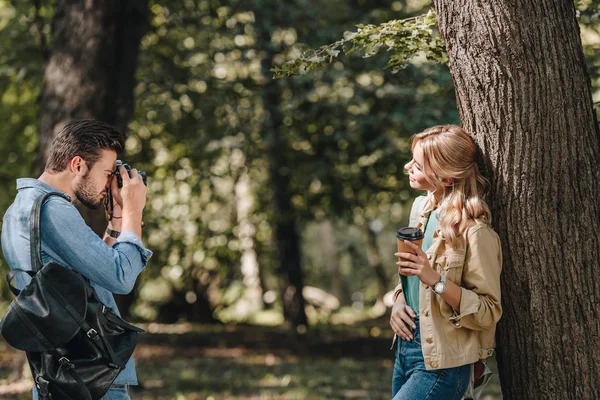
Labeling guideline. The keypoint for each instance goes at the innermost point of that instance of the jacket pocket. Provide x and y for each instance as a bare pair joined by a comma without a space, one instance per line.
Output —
451,265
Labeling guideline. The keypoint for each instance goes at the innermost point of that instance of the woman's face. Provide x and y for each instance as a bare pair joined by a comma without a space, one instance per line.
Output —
416,175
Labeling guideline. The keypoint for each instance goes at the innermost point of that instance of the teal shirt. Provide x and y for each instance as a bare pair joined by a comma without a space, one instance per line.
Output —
410,284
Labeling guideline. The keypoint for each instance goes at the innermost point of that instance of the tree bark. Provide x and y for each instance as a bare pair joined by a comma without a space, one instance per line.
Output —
90,74
523,90
285,226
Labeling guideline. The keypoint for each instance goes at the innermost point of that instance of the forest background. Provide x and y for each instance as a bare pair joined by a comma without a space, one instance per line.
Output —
272,204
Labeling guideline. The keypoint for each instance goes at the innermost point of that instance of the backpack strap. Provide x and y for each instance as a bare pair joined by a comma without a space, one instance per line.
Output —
35,242
90,332
41,383
11,275
36,265
40,336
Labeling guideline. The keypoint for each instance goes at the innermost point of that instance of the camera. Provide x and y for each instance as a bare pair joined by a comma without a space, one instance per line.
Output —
128,168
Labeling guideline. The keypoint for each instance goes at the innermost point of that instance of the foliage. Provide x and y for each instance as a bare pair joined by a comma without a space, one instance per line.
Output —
588,14
404,39
198,129
198,132
21,73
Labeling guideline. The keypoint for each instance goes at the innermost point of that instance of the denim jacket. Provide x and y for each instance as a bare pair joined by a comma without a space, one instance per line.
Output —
67,240
452,338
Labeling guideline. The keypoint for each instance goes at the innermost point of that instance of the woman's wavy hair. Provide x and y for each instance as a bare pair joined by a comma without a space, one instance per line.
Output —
450,166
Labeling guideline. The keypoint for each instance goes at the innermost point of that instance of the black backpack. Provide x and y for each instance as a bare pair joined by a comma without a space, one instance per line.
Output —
75,345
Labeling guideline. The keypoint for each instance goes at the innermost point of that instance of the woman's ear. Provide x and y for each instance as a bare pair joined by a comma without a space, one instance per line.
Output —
448,181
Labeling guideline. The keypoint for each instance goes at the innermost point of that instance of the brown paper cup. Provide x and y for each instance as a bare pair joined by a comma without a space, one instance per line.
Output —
404,248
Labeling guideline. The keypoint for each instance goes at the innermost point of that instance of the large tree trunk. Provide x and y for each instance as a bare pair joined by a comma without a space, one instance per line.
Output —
285,226
90,74
523,90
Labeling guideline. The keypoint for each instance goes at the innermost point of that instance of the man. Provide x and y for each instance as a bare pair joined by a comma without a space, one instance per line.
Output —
80,164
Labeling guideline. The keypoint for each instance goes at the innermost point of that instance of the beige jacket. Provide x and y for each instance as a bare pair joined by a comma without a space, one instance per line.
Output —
451,338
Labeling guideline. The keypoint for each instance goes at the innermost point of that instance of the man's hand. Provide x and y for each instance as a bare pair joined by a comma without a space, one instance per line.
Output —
133,192
402,318
418,265
116,193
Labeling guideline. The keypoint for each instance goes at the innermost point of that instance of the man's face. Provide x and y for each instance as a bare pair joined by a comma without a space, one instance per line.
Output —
90,189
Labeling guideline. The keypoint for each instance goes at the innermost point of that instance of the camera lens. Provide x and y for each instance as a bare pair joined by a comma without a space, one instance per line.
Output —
128,169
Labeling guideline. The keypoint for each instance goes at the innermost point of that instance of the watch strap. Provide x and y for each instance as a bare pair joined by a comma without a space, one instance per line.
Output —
112,233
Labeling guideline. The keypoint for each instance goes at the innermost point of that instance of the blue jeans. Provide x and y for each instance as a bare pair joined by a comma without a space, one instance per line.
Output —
411,381
116,393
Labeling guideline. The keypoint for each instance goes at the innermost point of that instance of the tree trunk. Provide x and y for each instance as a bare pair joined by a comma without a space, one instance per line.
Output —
90,74
286,235
252,299
332,265
523,90
375,260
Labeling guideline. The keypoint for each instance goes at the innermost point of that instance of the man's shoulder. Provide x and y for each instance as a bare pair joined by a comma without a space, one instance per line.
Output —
59,208
58,202
55,205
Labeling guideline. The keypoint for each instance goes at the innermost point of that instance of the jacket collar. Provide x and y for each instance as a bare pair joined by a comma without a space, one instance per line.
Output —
26,183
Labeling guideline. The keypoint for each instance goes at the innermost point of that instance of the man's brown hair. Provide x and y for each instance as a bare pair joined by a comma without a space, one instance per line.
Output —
83,138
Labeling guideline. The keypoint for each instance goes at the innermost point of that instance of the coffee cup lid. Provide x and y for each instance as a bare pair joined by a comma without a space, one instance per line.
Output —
410,233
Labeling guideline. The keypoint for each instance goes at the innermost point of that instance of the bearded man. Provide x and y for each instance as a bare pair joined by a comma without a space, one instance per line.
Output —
81,165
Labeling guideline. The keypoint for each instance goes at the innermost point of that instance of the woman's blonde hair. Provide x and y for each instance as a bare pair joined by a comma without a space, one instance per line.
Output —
450,166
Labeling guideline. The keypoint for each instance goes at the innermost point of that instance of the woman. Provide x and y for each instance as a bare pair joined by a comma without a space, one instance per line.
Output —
447,303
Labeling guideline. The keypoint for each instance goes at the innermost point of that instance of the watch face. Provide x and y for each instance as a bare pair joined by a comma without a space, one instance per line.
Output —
438,287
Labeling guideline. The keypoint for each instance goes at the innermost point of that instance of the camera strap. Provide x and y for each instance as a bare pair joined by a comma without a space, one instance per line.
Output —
109,206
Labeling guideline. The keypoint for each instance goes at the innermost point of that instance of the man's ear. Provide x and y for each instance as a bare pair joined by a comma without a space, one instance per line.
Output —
78,166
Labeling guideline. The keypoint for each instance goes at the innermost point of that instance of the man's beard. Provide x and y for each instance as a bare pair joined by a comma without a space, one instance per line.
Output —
85,193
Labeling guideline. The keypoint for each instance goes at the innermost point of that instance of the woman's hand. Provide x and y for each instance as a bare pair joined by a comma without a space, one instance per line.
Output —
417,264
402,318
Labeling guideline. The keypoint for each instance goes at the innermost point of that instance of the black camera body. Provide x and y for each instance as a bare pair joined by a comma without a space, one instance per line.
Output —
128,168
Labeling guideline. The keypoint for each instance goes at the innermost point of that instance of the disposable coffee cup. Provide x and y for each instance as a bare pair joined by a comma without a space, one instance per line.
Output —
411,234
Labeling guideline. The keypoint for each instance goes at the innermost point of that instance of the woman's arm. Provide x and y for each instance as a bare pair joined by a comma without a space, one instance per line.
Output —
477,301
480,306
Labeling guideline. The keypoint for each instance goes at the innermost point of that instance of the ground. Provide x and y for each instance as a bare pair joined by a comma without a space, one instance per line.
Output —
184,361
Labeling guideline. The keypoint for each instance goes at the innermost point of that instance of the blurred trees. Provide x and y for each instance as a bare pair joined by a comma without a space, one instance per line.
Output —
319,149
238,162
241,165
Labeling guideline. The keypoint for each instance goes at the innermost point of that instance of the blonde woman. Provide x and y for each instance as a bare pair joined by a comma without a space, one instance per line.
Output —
447,303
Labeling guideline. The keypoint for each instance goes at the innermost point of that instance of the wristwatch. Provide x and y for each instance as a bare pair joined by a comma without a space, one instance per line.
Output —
439,287
112,233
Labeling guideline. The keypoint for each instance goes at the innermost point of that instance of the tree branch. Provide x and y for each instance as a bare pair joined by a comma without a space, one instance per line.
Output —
403,38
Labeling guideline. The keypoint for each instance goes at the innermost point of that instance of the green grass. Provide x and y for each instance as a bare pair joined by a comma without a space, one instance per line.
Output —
235,375
189,362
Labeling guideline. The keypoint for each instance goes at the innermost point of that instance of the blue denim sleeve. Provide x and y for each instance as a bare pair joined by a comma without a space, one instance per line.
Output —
129,238
66,236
